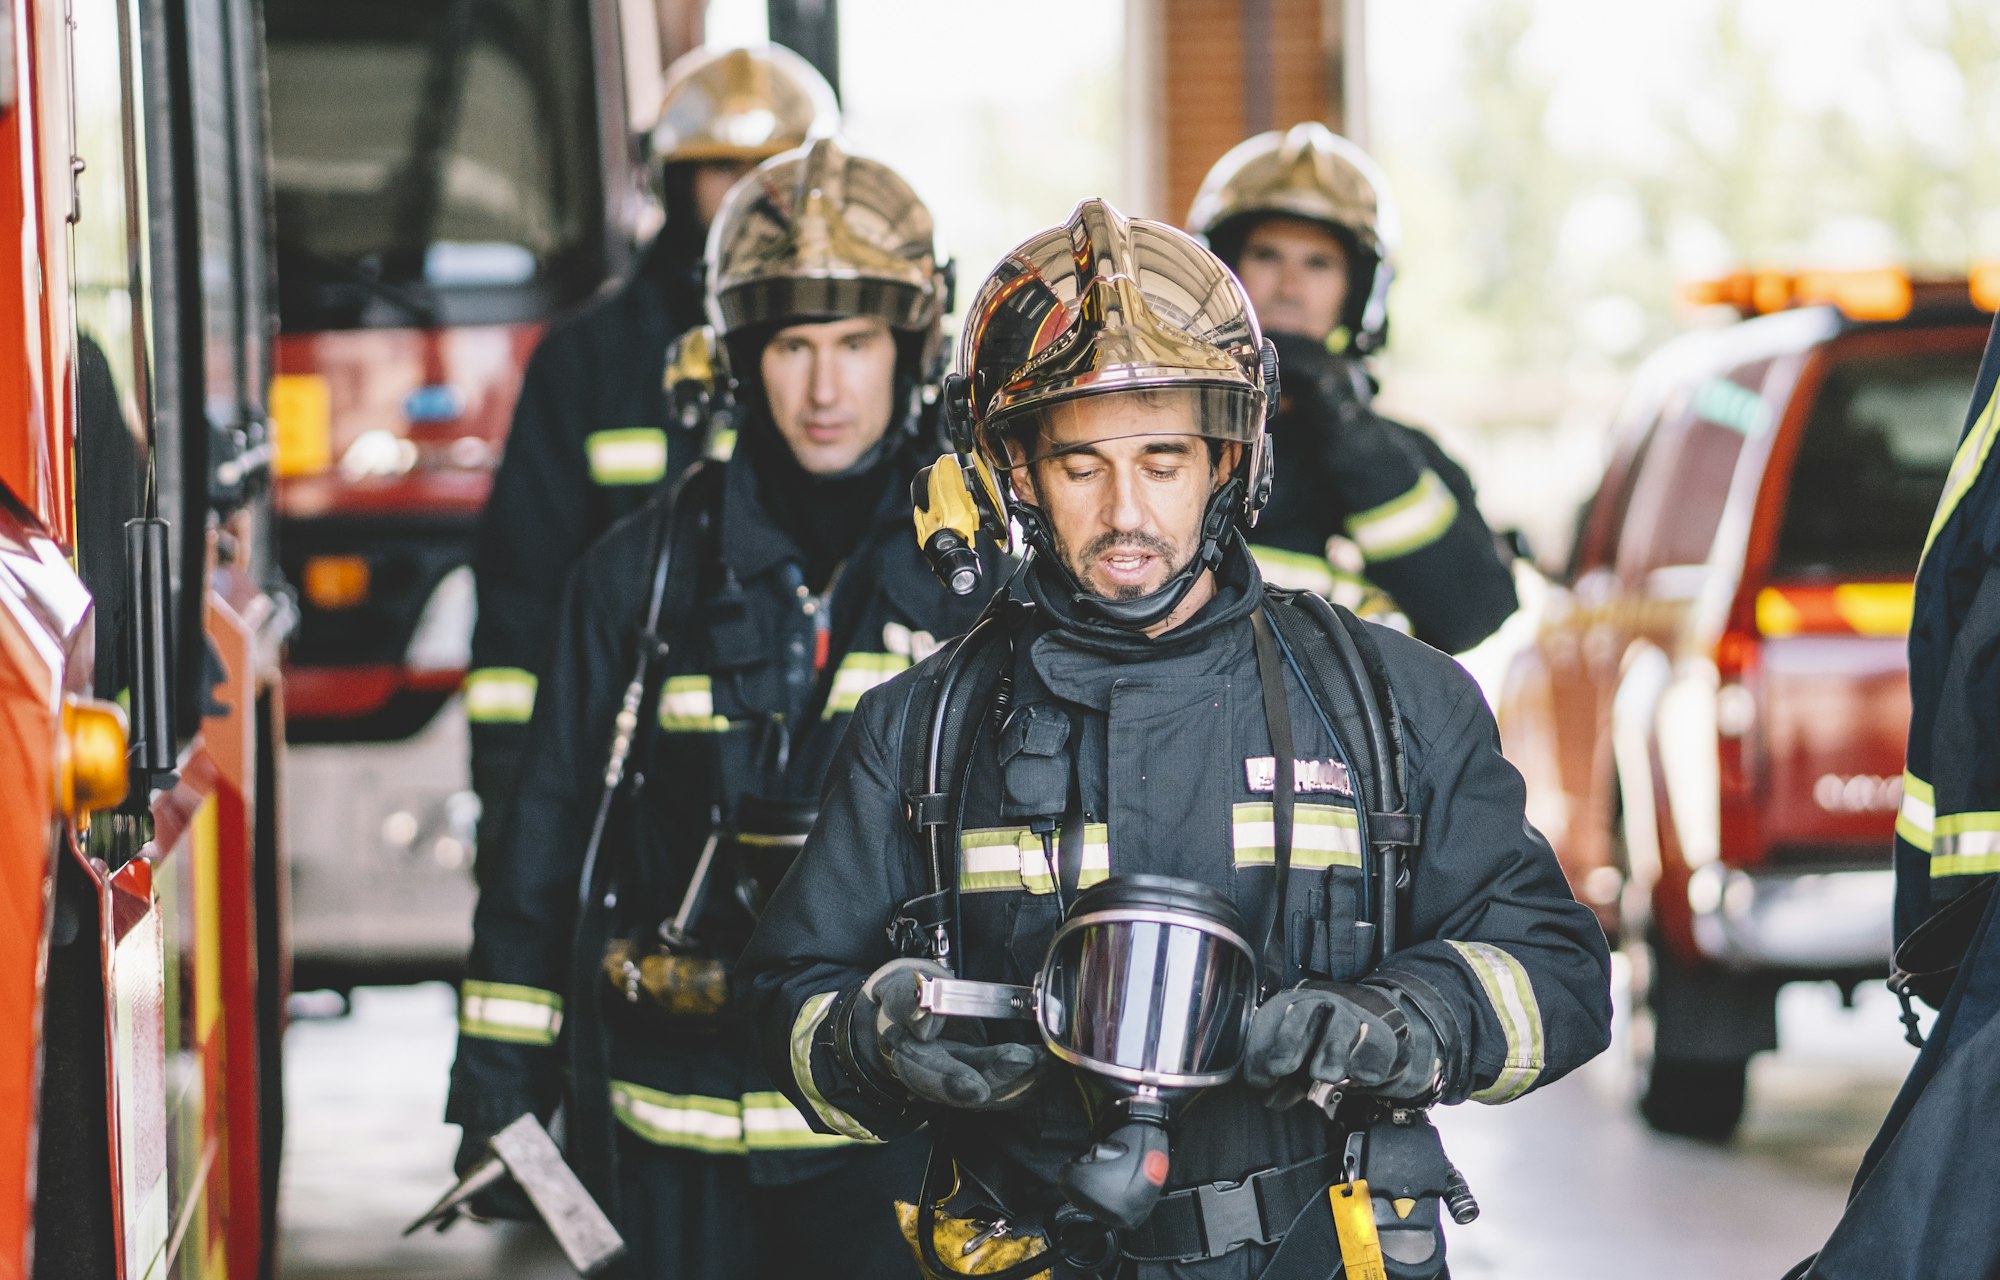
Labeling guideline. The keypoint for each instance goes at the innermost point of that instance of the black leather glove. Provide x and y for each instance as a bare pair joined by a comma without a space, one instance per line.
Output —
1329,386
890,1033
1361,1037
504,1199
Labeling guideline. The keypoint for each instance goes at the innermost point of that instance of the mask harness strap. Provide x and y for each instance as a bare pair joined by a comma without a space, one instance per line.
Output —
1278,718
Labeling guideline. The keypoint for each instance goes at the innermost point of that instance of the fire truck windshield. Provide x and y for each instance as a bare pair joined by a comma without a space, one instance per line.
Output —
1872,463
435,162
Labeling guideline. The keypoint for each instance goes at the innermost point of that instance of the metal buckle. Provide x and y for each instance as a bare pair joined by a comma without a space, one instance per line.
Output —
1231,1214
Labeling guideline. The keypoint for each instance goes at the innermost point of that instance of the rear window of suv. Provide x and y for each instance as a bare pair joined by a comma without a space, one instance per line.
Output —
1878,443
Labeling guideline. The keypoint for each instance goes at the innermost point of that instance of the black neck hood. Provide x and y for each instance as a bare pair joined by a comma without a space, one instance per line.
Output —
1238,588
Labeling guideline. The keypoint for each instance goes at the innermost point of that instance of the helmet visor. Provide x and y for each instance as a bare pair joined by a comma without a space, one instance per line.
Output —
1050,429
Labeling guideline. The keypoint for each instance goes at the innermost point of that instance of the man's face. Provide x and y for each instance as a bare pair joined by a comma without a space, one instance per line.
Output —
1296,274
1122,479
711,180
831,387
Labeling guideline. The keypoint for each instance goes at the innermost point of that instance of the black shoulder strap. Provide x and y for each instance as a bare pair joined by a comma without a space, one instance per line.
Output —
940,726
1342,667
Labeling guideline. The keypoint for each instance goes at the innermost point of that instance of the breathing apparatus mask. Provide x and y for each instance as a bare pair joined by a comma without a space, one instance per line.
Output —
1147,992
1100,305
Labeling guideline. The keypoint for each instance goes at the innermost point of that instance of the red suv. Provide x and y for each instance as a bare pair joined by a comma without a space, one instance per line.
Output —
1711,717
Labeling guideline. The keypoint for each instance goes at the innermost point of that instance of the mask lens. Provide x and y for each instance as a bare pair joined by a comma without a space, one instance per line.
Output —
1148,996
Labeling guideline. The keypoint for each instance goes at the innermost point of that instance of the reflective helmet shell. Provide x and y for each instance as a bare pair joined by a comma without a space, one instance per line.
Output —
1102,304
817,232
741,104
1310,172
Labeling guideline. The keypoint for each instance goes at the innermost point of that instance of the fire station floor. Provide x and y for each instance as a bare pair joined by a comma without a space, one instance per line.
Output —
1571,1183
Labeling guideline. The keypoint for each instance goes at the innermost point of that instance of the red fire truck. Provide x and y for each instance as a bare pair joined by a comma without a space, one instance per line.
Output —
142,971
448,175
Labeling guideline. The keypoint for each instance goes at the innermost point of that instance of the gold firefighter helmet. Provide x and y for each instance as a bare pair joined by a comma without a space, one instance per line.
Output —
1106,304
741,104
1310,172
817,233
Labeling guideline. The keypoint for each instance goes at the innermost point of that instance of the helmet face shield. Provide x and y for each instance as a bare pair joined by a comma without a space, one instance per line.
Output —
1052,429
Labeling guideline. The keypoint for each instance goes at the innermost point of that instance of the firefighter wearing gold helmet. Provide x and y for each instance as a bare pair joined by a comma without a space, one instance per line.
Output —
596,431
1364,509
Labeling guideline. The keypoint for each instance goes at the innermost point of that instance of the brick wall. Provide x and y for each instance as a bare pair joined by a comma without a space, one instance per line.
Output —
1205,47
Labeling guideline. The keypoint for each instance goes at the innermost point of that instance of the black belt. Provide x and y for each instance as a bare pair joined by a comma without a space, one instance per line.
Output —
1197,1223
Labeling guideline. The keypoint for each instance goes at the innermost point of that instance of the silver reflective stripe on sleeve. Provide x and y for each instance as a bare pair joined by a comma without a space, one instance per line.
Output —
1323,836
631,455
772,1123
499,695
1916,816
1507,989
1293,570
1409,523
811,1014
687,705
858,673
1966,844
684,1120
503,1011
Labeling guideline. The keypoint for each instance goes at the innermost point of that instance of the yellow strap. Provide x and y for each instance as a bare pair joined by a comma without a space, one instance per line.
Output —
1354,1224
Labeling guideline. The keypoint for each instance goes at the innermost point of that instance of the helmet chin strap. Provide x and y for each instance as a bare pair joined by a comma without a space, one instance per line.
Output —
1149,610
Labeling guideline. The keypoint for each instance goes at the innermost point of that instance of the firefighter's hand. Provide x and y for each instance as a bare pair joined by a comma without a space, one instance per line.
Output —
1355,1037
504,1200
911,1044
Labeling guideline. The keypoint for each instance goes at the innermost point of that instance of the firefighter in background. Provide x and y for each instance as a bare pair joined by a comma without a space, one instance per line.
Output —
1368,511
789,584
1117,705
593,435
1921,1207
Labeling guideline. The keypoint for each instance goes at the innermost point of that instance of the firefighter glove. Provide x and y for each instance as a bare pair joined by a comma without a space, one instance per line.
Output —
946,1064
504,1200
1361,1037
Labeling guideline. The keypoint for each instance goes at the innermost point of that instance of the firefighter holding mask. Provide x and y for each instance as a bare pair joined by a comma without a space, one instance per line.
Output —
1136,803
594,432
756,602
1305,219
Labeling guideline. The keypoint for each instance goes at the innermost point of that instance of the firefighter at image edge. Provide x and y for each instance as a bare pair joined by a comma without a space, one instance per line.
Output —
789,585
1305,219
1145,732
593,435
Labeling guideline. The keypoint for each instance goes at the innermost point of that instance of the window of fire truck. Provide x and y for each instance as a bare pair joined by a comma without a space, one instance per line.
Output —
1871,465
109,284
434,161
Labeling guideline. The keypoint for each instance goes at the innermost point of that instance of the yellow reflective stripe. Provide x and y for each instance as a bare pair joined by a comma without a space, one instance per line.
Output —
804,1027
499,695
685,1120
994,859
857,674
1323,836
1965,844
1409,523
772,1123
721,443
630,455
1293,570
1965,467
503,1011
1917,814
1512,997
687,705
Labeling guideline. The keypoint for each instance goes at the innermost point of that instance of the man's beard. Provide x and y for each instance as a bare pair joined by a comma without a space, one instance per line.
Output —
1103,544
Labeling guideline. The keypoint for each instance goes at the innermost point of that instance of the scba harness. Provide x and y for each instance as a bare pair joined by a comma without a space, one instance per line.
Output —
1331,654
